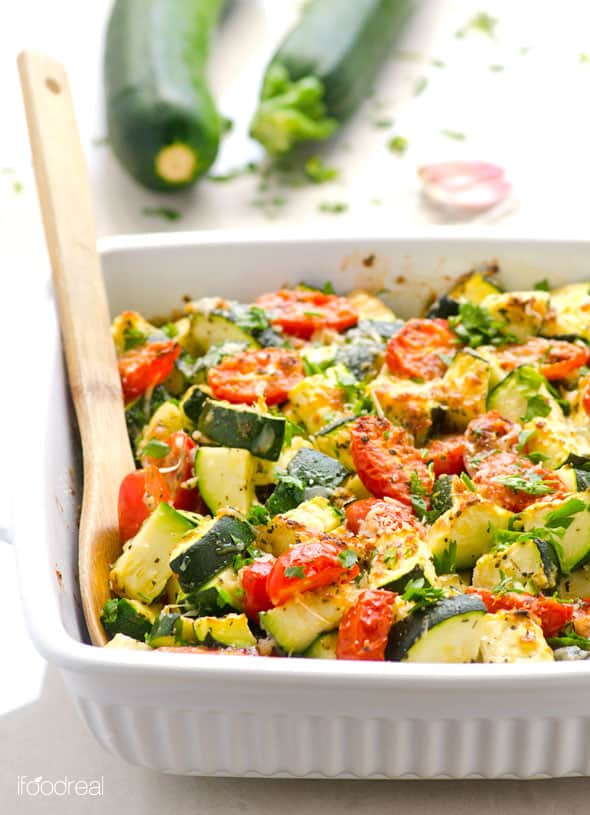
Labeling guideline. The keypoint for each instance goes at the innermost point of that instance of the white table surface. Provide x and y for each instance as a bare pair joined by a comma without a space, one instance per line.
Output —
531,117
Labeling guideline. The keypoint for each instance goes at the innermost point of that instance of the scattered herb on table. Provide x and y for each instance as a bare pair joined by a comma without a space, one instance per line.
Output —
420,85
456,135
318,172
398,145
482,22
333,207
167,213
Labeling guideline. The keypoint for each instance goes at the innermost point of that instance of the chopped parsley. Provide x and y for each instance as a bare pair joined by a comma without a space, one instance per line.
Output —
507,584
295,571
528,482
418,496
246,169
421,593
252,319
383,124
475,326
537,405
420,85
542,285
438,63
318,172
348,558
258,515
496,68
446,562
398,145
333,207
132,337
468,482
456,135
482,22
167,213
154,448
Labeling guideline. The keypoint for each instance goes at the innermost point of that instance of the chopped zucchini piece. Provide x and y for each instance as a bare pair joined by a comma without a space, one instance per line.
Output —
242,427
523,395
467,529
130,330
409,404
299,525
208,549
217,596
398,559
215,329
526,565
571,518
319,400
225,478
464,389
570,312
335,440
512,636
297,623
142,570
324,647
192,403
521,313
167,419
446,631
231,631
130,617
122,641
575,585
474,289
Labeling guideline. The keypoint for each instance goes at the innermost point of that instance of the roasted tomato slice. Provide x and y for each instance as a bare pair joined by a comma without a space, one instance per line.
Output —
139,494
146,367
267,373
446,455
300,312
386,514
555,358
177,467
253,578
306,567
515,482
488,433
387,463
415,351
552,614
363,631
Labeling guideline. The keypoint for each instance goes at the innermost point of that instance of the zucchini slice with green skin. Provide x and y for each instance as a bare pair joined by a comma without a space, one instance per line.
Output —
523,395
296,624
324,69
129,617
142,570
529,565
225,478
242,427
208,549
446,631
162,121
570,515
324,647
216,597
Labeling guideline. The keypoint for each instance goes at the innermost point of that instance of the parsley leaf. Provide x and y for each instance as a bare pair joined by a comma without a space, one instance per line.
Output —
562,518
295,571
542,285
536,406
250,318
421,593
507,584
475,326
398,144
155,449
348,558
167,213
315,169
132,337
333,207
468,482
418,495
482,22
258,515
528,482
446,562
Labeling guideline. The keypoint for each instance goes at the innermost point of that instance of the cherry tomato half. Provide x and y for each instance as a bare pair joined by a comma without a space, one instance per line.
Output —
363,631
300,312
253,579
386,462
146,367
177,467
387,513
415,351
528,482
556,358
306,567
552,614
446,455
269,373
139,494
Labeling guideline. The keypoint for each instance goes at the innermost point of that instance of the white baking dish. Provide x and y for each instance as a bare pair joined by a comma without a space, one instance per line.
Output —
253,716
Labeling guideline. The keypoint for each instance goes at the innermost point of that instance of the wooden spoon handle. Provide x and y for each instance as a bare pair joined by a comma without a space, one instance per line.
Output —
66,207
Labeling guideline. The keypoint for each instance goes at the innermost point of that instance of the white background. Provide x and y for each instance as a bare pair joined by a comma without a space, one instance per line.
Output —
531,117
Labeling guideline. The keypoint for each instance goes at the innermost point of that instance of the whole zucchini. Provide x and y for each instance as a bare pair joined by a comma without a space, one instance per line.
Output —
162,121
324,69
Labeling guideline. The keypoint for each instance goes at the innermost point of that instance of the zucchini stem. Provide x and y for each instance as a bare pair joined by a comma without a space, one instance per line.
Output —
290,112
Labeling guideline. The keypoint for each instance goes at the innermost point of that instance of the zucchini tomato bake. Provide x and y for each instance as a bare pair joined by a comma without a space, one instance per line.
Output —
319,478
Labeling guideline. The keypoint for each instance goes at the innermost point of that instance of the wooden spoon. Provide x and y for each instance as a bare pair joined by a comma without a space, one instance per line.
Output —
66,206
